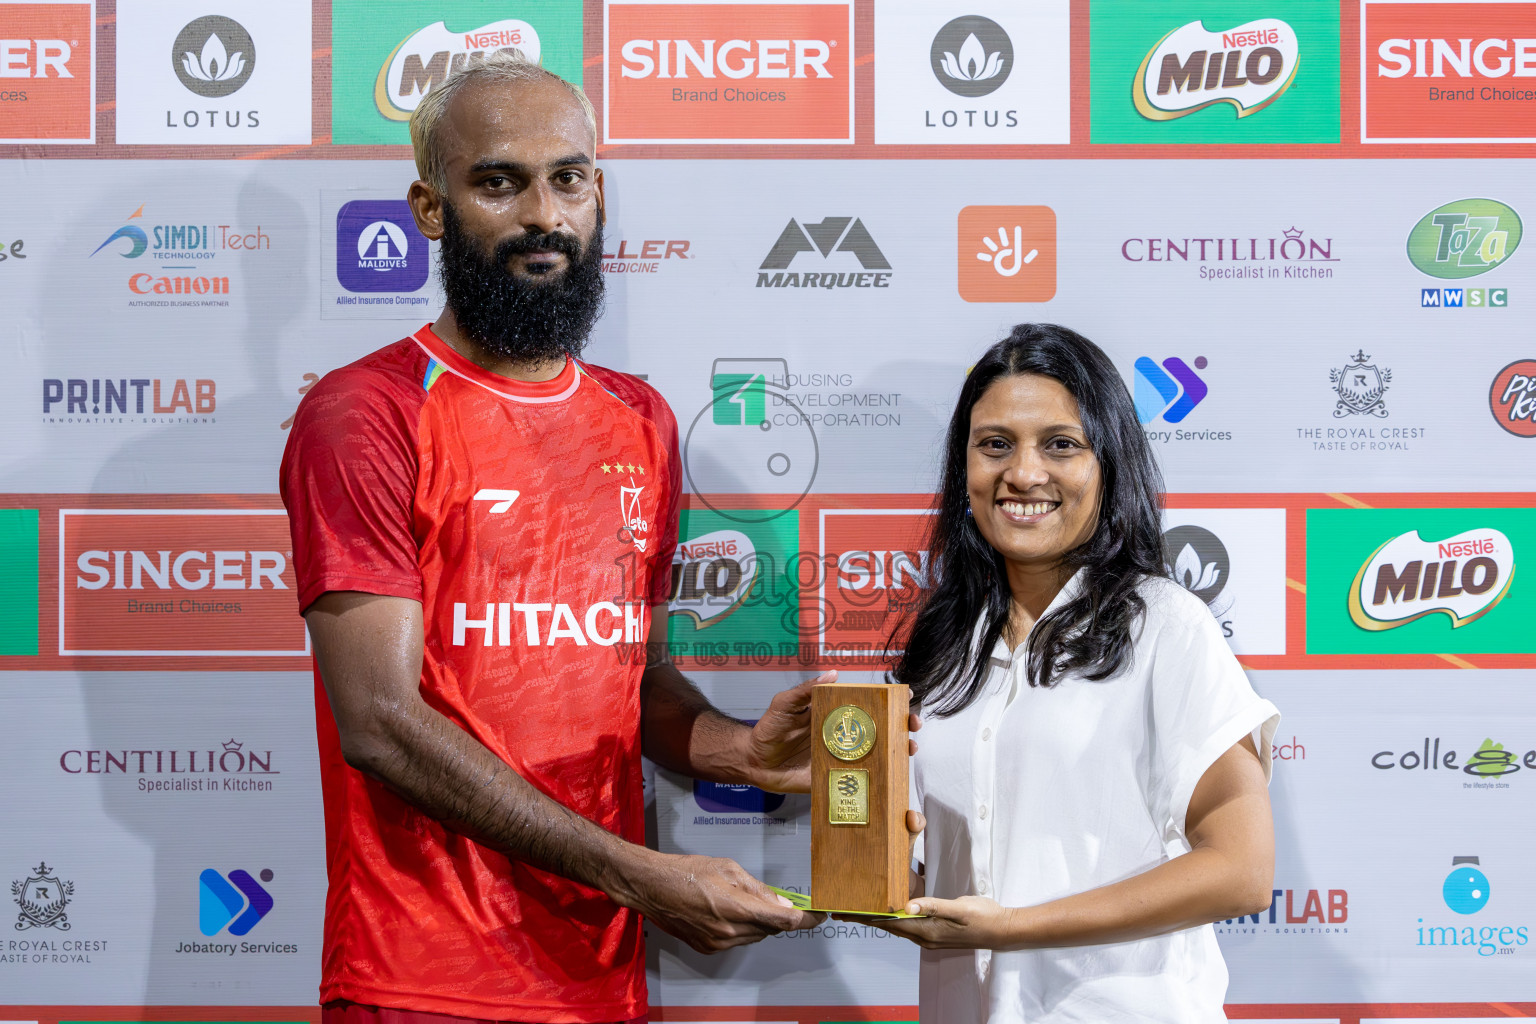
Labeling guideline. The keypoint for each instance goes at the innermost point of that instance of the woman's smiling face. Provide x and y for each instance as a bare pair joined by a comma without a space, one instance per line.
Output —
1033,482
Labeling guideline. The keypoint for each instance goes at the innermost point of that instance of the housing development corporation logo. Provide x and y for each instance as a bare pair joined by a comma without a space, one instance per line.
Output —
829,236
1466,891
1192,68
1447,72
728,73
213,56
1462,577
972,56
1512,399
1007,253
47,72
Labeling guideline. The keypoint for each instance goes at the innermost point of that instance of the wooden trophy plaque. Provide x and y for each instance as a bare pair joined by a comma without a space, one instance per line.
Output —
860,847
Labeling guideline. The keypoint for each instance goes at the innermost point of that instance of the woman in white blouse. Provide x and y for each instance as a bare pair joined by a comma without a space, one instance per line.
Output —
1094,763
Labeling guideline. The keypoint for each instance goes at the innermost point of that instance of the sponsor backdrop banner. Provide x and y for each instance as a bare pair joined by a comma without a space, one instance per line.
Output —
1296,226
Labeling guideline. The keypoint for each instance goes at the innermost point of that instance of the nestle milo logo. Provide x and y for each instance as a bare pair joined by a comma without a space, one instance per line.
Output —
1407,578
1465,238
1192,68
712,575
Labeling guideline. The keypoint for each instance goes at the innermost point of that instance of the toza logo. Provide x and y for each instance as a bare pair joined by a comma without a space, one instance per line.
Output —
1360,387
238,902
1464,239
1192,68
1408,578
1007,253
426,57
832,234
1172,394
972,56
42,897
213,56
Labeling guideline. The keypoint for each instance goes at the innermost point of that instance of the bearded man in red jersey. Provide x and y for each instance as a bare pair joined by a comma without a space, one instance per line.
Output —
482,525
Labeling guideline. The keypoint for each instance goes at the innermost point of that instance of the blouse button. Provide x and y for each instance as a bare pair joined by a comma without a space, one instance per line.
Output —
981,888
986,734
982,813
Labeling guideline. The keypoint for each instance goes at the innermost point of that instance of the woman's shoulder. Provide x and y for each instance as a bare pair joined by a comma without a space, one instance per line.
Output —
1170,606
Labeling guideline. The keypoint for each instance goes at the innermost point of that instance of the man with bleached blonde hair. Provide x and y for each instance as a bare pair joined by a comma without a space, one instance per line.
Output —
483,530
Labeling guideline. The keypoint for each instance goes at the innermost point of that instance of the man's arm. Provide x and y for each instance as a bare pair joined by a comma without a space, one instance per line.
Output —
369,650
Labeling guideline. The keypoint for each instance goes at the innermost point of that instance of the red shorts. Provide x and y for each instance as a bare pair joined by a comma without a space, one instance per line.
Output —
344,1012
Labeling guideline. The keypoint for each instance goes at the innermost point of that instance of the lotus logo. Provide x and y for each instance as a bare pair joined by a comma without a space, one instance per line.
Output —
1192,68
1464,239
1462,577
971,56
1200,561
712,575
213,56
426,57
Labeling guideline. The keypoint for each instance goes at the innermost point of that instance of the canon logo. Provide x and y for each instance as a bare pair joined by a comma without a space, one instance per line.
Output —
189,570
1465,58
32,58
734,58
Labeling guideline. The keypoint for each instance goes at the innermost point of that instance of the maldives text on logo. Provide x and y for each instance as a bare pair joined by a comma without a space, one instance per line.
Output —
1007,253
48,72
1289,255
1464,239
1194,71
1512,399
379,248
1417,580
1447,72
385,59
728,73
829,236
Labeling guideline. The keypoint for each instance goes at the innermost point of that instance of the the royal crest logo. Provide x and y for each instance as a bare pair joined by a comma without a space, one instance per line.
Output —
1192,68
1463,577
1360,386
42,898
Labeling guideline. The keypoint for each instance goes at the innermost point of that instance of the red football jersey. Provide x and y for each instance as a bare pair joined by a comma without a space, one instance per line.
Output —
535,523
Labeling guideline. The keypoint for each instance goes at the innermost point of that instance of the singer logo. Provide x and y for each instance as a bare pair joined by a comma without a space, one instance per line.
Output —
1447,72
1463,577
47,72
1007,253
196,582
728,73
878,568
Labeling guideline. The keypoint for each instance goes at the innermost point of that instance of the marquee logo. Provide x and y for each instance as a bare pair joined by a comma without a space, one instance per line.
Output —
213,56
426,57
1463,577
728,73
1192,68
1512,399
47,72
1007,253
828,236
712,575
972,56
1464,239
1447,72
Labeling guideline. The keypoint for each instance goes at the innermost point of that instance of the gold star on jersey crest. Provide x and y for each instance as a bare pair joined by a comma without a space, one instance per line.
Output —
620,467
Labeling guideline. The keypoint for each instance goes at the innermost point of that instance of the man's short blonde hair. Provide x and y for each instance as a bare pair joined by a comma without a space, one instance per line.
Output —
508,65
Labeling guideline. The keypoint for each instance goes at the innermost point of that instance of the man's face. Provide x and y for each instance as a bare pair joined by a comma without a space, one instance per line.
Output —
521,218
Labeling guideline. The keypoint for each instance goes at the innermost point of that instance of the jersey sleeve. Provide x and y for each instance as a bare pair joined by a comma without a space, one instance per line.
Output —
1201,704
348,480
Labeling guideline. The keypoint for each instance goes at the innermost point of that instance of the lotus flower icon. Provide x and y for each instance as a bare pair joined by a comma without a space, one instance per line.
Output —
975,64
213,56
215,63
1190,574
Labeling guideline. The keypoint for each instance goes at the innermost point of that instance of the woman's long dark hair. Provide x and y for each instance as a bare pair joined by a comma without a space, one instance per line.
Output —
1090,634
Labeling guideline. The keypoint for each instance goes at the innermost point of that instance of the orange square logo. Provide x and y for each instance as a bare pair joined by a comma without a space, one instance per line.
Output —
47,72
1007,253
723,73
878,569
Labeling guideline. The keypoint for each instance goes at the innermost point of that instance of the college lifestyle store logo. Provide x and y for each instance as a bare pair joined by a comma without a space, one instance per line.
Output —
1447,72
1466,891
728,73
425,58
47,72
1463,577
213,56
1192,68
828,236
1487,764
1007,253
1361,387
1512,399
42,897
972,56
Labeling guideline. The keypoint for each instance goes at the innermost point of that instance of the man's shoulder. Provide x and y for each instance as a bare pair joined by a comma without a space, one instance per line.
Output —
634,393
382,390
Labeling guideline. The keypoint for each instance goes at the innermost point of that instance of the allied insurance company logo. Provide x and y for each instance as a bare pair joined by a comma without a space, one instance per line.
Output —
1467,891
1447,72
827,238
971,56
728,73
1463,577
379,248
47,72
425,58
1463,239
1512,398
1007,253
1191,68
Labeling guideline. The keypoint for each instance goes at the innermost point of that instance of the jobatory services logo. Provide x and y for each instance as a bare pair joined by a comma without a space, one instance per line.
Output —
1512,398
1233,560
735,597
233,904
838,240
1289,254
727,73
996,73
1191,71
238,75
877,569
1417,580
179,582
48,72
1007,253
1451,72
1463,239
1168,392
386,58
1466,892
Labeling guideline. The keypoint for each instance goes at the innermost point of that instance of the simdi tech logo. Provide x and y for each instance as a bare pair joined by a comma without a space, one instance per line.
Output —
1451,72
1192,71
48,72
1418,581
385,58
1007,253
726,73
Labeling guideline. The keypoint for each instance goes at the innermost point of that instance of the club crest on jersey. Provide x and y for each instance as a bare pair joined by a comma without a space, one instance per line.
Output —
634,526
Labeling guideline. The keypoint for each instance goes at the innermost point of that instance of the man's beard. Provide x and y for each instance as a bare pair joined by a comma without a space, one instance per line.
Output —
515,317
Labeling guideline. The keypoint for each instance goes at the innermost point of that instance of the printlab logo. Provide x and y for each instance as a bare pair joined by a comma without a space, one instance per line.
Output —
972,56
42,897
1408,577
1360,387
1170,391
1512,399
1192,68
238,902
1464,239
1200,563
1467,891
828,236
213,56
1007,253
378,247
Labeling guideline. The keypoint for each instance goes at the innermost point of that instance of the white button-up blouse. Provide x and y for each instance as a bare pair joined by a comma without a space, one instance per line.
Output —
1035,793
